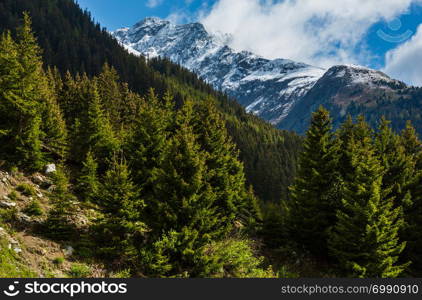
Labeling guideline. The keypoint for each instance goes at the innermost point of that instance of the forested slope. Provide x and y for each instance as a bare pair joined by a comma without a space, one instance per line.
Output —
72,42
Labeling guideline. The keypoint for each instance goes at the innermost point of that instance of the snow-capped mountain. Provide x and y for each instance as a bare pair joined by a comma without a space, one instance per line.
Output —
344,90
268,88
281,91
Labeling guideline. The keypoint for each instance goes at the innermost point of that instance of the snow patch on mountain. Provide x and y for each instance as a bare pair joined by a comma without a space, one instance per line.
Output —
359,75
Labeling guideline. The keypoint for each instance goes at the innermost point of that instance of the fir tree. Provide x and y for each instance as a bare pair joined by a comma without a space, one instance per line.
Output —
183,204
412,145
365,237
250,213
146,145
225,171
233,258
59,221
122,226
314,192
398,168
9,74
109,90
71,98
54,125
274,231
21,70
94,131
351,132
88,183
29,57
413,230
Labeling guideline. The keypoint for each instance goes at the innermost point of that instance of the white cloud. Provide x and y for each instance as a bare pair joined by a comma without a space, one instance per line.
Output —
180,17
183,16
404,62
320,32
154,3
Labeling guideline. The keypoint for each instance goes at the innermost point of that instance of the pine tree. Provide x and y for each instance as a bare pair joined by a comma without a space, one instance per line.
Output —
21,69
225,171
122,226
412,145
183,204
72,99
29,54
88,183
29,145
54,125
181,192
250,213
94,132
348,132
146,145
274,231
398,168
314,193
413,230
365,237
9,74
59,221
109,90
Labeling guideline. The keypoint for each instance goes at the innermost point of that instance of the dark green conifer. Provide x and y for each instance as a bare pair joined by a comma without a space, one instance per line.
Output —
109,90
147,142
60,218
21,96
365,238
122,226
225,171
183,204
397,166
88,183
413,215
314,194
92,130
54,125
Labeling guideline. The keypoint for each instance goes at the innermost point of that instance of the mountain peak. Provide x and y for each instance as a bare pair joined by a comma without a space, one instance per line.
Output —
268,88
281,91
151,21
360,75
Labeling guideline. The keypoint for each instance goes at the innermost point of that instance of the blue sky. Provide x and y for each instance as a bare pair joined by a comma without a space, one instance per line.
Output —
409,23
114,14
381,34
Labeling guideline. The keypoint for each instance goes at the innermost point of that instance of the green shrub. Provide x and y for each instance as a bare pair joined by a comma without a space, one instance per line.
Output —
8,215
13,196
34,209
233,258
79,271
58,261
26,189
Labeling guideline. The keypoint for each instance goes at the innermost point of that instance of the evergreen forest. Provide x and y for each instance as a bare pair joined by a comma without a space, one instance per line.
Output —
137,168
